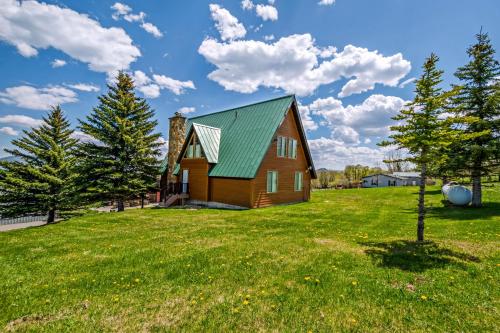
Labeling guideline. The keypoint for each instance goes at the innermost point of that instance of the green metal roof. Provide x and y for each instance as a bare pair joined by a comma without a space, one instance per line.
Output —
245,135
164,165
210,140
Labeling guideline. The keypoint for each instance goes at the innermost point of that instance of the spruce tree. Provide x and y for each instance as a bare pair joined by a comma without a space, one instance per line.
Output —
421,129
122,161
479,98
40,180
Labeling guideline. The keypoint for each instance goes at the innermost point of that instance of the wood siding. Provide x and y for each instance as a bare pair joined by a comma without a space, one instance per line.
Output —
286,168
198,177
232,191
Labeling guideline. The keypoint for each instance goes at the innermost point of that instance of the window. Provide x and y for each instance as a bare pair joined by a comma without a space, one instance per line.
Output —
272,181
298,180
281,145
194,148
292,148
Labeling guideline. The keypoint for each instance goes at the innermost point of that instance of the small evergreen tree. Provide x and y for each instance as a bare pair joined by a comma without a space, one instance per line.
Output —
422,131
478,98
40,180
122,162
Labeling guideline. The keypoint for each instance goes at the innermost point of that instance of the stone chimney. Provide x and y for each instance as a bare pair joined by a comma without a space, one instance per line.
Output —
176,137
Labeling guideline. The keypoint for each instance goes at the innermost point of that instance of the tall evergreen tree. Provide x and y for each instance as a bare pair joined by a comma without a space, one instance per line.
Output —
422,131
40,180
122,162
479,98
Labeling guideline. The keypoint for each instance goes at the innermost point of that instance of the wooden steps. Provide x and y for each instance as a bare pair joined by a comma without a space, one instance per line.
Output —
173,199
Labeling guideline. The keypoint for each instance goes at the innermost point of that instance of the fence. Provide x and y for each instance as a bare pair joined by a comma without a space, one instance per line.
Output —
23,219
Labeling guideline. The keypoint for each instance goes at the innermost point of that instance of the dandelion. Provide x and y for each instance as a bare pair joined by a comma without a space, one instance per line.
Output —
307,278
317,281
246,302
193,302
137,280
236,310
423,298
354,283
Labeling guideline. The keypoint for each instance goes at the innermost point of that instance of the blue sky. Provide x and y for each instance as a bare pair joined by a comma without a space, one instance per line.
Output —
350,62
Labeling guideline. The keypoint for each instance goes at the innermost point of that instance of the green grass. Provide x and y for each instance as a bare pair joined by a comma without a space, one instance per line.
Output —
345,261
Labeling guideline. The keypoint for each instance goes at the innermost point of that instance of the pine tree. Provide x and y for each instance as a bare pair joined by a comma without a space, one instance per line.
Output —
479,98
421,129
122,161
40,180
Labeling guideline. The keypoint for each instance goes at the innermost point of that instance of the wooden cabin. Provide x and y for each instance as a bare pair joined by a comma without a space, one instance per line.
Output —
251,156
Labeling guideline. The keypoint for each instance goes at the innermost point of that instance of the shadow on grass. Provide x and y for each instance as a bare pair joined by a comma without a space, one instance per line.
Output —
414,256
451,212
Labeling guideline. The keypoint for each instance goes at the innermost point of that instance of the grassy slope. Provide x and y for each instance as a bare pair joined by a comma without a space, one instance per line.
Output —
344,261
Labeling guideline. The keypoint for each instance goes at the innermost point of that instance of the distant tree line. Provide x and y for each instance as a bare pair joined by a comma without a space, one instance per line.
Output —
454,132
55,172
350,177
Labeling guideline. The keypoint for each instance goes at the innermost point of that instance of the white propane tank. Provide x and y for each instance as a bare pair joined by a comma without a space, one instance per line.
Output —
459,195
446,187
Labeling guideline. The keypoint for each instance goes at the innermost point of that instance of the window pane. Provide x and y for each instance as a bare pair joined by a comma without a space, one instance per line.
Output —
294,150
298,181
272,181
197,152
283,147
190,151
275,181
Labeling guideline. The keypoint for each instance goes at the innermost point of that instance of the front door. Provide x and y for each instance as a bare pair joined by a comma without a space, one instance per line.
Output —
185,180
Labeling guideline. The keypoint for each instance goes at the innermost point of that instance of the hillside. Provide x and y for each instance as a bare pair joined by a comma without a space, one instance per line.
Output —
344,261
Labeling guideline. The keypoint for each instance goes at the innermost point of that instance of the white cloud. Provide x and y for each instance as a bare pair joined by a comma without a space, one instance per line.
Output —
120,9
372,118
269,37
151,87
150,90
247,5
163,147
291,63
406,82
267,12
331,153
175,86
227,25
152,29
124,11
186,110
58,63
307,121
88,87
326,2
37,25
8,130
37,98
82,137
20,120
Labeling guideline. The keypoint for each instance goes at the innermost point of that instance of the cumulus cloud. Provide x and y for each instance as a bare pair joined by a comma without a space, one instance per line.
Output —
267,12
349,124
20,120
37,98
305,115
87,87
163,147
269,37
124,11
37,25
151,87
331,153
227,25
406,82
8,130
58,63
292,63
326,2
186,110
247,5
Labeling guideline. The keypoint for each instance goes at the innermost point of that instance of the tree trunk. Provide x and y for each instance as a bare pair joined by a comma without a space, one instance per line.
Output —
51,216
476,186
142,200
421,204
120,207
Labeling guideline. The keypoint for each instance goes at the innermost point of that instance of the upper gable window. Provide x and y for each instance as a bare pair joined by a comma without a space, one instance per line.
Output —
281,146
194,148
292,148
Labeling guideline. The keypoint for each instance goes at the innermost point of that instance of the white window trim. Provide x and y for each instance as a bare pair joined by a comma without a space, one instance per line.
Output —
301,181
267,180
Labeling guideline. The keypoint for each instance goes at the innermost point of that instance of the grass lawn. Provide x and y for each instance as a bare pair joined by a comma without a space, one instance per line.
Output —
345,261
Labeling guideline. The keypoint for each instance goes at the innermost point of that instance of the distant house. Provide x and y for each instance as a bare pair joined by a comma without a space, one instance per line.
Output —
251,156
394,179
